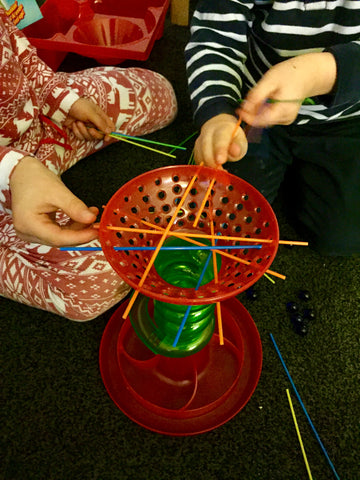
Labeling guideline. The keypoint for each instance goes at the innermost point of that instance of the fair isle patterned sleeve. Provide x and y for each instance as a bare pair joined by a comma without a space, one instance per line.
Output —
53,97
17,110
28,88
233,43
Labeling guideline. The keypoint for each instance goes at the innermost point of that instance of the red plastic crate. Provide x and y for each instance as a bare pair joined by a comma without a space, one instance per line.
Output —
109,31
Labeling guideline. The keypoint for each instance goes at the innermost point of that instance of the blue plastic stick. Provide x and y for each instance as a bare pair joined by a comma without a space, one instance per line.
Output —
304,409
80,249
174,247
193,247
182,325
189,307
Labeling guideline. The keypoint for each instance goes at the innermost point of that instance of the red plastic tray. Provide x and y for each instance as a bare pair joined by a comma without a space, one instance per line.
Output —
109,31
182,396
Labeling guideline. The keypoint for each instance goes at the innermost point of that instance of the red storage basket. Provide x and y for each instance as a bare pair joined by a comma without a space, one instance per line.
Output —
109,31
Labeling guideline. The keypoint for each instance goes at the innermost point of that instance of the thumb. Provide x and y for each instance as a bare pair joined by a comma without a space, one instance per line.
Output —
77,210
235,152
102,121
238,146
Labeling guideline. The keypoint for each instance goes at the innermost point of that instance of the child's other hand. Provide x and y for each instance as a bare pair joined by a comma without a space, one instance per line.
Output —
216,144
36,195
84,112
288,83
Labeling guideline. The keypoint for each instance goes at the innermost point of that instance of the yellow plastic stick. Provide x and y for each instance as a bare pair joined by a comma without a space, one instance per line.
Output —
146,140
140,145
299,435
269,278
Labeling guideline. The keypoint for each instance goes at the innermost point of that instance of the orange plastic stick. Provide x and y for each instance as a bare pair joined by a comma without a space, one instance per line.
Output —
189,239
216,280
246,262
203,235
238,123
203,203
185,235
220,252
290,242
161,241
219,319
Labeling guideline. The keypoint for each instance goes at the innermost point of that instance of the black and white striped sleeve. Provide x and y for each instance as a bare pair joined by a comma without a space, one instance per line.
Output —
216,56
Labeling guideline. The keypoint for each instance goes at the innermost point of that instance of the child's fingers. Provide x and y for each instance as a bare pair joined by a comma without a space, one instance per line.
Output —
223,140
87,132
102,121
83,131
76,131
236,152
203,152
42,228
259,116
277,113
221,152
238,145
94,133
220,140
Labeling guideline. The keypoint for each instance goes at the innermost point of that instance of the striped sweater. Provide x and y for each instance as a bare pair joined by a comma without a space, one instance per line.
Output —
233,43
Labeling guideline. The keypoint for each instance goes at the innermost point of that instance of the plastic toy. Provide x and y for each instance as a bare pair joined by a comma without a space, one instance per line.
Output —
196,384
109,31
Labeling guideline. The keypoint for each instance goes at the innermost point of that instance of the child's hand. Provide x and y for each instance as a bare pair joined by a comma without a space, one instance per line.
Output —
84,112
288,83
216,144
36,195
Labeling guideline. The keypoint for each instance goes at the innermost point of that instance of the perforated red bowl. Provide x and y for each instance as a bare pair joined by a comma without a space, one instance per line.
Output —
236,208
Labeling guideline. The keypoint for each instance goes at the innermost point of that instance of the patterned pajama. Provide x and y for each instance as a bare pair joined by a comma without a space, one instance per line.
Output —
77,285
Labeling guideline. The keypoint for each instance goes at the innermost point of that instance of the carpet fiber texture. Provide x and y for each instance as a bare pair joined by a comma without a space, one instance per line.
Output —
58,422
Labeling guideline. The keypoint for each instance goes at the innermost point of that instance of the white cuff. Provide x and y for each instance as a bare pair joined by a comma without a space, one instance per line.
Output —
7,165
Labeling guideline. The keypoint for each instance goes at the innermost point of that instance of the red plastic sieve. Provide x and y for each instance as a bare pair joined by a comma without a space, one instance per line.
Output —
236,208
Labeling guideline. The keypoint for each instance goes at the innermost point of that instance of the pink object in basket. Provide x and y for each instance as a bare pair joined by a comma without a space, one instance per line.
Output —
109,31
